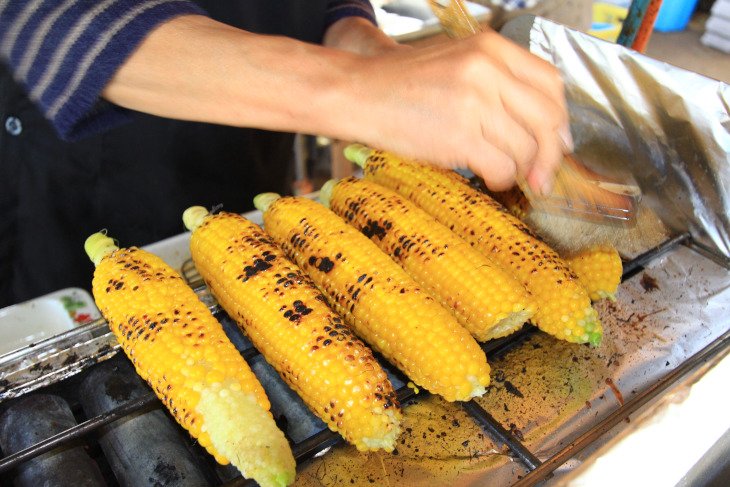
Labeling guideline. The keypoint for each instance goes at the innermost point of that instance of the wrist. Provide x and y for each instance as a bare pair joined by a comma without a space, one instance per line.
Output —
358,35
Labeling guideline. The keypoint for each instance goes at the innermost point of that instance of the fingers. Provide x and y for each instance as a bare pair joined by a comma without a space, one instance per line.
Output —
511,138
483,103
534,72
538,102
497,169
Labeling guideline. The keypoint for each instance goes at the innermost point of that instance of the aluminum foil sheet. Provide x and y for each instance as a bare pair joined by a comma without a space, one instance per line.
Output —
666,127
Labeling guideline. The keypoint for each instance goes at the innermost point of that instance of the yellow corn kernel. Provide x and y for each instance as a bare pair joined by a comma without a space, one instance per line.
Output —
378,299
486,300
563,306
287,319
599,269
160,323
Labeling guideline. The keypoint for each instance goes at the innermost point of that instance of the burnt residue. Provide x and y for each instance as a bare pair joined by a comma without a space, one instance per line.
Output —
649,283
119,389
514,431
40,367
324,264
166,475
439,441
509,387
70,360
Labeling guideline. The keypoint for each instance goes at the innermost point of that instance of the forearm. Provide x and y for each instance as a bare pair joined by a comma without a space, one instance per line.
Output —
194,68
481,103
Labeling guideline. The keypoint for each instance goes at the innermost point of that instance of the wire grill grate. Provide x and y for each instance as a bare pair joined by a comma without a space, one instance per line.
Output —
319,442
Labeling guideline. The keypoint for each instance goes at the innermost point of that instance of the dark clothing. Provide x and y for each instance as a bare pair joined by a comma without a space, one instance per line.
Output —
136,179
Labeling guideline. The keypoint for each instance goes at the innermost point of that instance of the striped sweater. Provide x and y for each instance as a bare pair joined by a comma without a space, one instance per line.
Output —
50,46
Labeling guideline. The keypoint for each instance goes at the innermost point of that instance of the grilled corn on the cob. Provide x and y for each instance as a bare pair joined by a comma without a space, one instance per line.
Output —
486,300
382,303
598,267
563,306
286,318
180,349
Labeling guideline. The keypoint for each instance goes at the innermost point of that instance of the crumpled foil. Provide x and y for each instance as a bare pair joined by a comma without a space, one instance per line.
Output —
665,127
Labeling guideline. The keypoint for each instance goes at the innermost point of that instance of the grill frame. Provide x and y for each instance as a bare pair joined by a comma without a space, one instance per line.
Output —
537,470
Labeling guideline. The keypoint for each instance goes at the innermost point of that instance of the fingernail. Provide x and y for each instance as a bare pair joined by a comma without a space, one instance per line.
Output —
567,138
540,181
547,186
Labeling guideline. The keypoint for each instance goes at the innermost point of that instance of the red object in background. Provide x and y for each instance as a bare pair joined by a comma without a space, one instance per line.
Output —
647,26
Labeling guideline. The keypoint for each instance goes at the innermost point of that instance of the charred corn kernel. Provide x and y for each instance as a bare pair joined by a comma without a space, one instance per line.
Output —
377,298
287,319
161,324
599,269
563,306
486,300
514,200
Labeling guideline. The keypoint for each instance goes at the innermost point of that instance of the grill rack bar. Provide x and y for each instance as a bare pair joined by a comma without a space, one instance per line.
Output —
310,447
496,430
148,401
635,265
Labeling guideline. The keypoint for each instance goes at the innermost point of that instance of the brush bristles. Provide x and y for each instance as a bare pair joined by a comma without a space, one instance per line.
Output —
568,235
579,193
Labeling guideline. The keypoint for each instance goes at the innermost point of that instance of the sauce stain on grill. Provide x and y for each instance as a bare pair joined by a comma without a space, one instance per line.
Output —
615,390
509,387
649,283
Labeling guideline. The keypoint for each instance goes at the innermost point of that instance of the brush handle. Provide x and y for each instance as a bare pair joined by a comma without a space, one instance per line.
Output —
455,18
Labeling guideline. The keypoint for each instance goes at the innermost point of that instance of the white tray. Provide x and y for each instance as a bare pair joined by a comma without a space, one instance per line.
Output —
35,320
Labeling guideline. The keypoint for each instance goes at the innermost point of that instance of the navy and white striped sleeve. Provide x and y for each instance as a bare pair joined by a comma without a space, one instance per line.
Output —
65,51
339,9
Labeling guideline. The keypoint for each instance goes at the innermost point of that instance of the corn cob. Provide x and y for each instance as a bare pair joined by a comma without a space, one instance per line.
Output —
598,267
377,298
563,306
179,348
486,300
286,318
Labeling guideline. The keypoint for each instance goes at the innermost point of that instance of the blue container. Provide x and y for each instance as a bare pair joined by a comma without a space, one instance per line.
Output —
674,15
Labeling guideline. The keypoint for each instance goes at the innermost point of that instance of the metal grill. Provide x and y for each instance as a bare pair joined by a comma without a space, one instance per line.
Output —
538,470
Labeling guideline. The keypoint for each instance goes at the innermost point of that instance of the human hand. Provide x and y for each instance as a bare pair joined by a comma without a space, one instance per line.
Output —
482,103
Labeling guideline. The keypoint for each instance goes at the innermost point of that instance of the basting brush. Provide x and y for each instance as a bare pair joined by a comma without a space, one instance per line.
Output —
570,235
